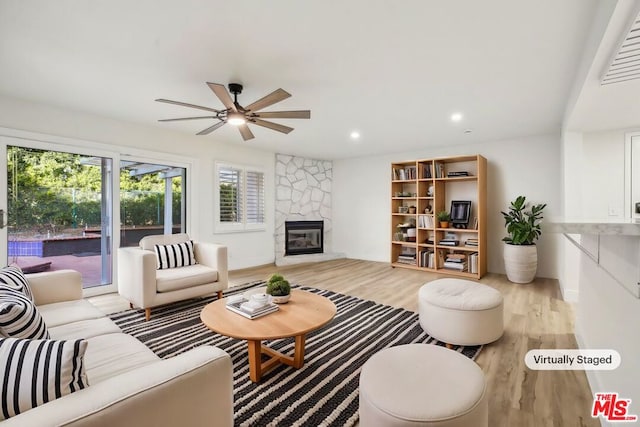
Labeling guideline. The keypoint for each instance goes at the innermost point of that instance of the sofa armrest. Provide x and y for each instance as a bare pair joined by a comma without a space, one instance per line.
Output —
190,390
55,286
214,256
137,276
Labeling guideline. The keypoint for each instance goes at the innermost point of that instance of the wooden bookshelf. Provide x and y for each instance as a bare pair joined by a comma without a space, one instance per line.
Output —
429,184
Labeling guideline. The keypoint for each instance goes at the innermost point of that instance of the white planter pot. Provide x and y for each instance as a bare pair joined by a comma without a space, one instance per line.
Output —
520,262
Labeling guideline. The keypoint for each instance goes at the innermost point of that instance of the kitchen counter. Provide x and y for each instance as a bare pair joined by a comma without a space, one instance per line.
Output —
606,226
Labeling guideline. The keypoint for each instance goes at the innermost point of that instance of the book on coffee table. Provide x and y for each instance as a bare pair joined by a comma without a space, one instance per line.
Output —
243,307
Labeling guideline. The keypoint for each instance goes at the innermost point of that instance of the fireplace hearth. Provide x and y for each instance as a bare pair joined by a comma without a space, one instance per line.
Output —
304,237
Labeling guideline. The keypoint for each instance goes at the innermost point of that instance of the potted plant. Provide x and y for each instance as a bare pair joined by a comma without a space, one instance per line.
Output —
412,209
279,289
520,251
443,218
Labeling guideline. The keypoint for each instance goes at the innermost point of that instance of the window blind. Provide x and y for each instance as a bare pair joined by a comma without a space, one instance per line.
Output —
230,181
255,197
241,198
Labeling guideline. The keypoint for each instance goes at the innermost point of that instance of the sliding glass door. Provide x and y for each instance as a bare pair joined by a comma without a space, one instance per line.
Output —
152,200
59,212
58,204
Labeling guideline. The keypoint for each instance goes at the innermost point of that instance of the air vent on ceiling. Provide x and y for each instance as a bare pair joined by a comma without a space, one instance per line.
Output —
626,63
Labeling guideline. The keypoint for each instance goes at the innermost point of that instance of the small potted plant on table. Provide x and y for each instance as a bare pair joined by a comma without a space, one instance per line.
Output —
279,289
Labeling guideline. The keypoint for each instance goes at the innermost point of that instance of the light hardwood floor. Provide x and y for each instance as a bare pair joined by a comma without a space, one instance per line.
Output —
535,317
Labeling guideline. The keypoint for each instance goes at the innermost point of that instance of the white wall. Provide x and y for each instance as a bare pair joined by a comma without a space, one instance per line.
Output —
607,318
593,188
528,166
245,249
606,312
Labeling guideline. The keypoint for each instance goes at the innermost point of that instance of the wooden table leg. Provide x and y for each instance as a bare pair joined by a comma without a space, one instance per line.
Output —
298,353
255,360
257,367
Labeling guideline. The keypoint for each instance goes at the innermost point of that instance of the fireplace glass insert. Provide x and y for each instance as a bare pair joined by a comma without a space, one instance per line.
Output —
304,237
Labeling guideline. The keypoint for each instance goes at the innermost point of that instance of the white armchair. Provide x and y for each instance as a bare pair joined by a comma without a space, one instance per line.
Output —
145,286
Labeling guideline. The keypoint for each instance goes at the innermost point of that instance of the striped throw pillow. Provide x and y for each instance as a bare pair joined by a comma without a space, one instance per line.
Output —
176,255
34,372
19,317
12,277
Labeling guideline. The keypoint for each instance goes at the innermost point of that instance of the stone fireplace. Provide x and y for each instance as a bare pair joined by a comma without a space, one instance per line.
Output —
303,195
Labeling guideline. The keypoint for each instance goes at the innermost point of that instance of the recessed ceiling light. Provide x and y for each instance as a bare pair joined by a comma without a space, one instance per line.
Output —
468,131
456,117
355,135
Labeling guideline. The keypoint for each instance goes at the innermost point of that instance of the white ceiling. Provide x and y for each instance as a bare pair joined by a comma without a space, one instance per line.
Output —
612,106
395,71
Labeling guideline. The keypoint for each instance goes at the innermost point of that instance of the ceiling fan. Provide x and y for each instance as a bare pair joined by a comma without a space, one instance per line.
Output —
237,115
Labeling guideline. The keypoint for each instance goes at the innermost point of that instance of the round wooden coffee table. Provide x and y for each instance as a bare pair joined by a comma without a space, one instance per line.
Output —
305,312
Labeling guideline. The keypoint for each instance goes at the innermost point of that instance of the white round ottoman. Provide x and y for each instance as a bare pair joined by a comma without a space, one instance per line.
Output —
461,312
422,385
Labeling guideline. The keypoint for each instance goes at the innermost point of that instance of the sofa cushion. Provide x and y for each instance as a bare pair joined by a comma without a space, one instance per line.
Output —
184,277
38,371
148,242
60,313
19,316
175,255
13,278
84,329
113,354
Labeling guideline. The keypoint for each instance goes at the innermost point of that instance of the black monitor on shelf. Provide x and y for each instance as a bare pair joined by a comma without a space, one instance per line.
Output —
460,213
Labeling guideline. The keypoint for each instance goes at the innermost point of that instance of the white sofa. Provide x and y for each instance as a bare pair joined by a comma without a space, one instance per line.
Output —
128,384
144,286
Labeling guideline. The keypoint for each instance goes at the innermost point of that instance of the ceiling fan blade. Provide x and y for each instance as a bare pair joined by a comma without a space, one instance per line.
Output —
245,132
188,118
302,114
271,125
184,104
275,96
222,93
210,129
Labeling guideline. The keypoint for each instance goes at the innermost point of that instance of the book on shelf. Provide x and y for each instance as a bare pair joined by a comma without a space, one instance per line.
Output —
450,239
426,171
471,242
246,308
454,174
404,173
473,263
425,221
456,257
460,266
427,258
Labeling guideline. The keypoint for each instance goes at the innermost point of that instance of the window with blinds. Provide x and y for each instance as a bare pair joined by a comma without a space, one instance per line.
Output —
254,196
230,183
240,198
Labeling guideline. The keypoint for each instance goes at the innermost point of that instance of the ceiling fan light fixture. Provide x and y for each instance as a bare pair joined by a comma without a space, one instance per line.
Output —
236,119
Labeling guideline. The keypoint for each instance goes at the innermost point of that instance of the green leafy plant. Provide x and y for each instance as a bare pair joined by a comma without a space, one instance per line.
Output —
278,286
523,226
443,216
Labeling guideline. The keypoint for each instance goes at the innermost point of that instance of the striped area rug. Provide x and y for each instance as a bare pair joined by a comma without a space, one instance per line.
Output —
325,391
